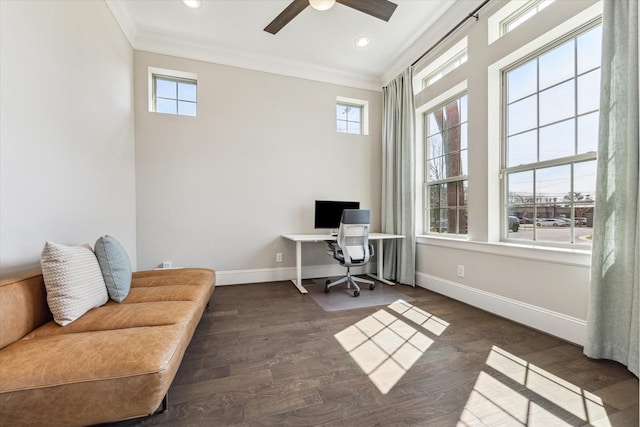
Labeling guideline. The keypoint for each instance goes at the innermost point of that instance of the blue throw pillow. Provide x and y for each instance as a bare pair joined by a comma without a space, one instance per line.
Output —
116,267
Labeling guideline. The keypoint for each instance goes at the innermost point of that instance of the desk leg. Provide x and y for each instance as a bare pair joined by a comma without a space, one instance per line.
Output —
380,255
298,280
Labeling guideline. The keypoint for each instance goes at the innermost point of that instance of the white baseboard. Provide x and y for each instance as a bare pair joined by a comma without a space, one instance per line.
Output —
258,275
560,325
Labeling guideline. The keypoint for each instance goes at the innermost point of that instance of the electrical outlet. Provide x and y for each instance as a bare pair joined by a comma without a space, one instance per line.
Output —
460,270
279,257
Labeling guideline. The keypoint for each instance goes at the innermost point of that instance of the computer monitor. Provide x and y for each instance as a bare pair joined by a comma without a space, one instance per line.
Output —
328,213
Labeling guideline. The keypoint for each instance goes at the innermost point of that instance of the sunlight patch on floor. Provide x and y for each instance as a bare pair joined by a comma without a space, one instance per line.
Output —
385,347
494,402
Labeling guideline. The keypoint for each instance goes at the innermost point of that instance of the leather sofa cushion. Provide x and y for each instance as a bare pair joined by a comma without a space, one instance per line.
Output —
114,316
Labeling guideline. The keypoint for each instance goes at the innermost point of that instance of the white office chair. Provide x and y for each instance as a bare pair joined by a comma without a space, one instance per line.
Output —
353,247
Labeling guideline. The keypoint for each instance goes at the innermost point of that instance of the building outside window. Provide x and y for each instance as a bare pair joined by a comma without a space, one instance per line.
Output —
551,103
446,147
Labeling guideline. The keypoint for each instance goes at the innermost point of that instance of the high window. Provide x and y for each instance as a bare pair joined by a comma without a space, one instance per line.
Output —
175,96
173,92
451,65
352,116
446,167
551,103
349,118
523,14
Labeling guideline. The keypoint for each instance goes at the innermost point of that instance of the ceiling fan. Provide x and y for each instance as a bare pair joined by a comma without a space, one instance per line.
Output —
381,9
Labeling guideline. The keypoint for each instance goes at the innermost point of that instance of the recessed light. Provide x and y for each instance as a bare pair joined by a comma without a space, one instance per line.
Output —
193,4
362,41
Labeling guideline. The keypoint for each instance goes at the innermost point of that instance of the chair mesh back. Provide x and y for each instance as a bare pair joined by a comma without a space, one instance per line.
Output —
353,235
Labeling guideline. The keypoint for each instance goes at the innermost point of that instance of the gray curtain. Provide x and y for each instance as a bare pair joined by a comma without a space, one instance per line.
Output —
398,178
613,322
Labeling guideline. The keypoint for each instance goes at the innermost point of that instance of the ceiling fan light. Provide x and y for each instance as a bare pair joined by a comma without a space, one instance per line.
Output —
322,4
193,4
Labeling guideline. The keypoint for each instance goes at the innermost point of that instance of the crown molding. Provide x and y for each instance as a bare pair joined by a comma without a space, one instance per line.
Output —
167,44
124,20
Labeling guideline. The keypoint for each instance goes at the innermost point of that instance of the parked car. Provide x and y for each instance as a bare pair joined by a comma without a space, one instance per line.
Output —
514,223
553,222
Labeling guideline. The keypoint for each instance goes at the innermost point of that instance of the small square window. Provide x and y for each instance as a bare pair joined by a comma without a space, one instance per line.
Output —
351,116
172,92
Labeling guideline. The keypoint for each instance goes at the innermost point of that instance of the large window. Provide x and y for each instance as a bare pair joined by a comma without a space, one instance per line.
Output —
551,104
446,167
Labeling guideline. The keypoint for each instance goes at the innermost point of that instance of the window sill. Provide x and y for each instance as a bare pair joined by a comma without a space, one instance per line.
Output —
565,256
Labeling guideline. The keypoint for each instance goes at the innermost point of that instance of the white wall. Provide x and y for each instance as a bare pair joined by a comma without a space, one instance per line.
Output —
66,129
542,287
218,190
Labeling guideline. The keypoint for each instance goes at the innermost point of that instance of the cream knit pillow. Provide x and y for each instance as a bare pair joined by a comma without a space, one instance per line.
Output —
73,281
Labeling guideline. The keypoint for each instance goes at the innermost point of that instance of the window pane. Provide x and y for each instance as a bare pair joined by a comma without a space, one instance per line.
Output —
589,92
588,133
557,65
166,106
353,128
590,50
434,123
462,193
557,140
437,170
520,188
522,148
584,198
342,126
186,92
521,82
523,115
341,112
353,114
557,103
186,108
435,148
452,139
585,181
553,183
464,136
452,115
166,88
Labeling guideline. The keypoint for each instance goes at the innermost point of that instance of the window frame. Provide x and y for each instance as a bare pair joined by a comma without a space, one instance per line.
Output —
363,105
175,76
462,179
521,12
534,167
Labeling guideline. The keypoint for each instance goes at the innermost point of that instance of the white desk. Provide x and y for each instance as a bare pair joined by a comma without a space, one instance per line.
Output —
306,238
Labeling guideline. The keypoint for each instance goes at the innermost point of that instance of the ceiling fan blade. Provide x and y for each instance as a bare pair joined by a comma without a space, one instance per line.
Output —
381,9
290,12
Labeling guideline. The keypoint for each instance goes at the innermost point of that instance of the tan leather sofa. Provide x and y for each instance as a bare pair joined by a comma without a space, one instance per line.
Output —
115,362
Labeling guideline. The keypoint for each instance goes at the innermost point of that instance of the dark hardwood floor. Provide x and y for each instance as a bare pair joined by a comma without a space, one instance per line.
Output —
264,354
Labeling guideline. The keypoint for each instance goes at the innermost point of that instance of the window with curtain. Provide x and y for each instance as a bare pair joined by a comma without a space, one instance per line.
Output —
446,147
551,105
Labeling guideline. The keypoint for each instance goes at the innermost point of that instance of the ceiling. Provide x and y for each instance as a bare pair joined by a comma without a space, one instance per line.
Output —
314,45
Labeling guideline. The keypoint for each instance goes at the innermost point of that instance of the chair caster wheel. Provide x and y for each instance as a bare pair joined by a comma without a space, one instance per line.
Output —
356,293
372,287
